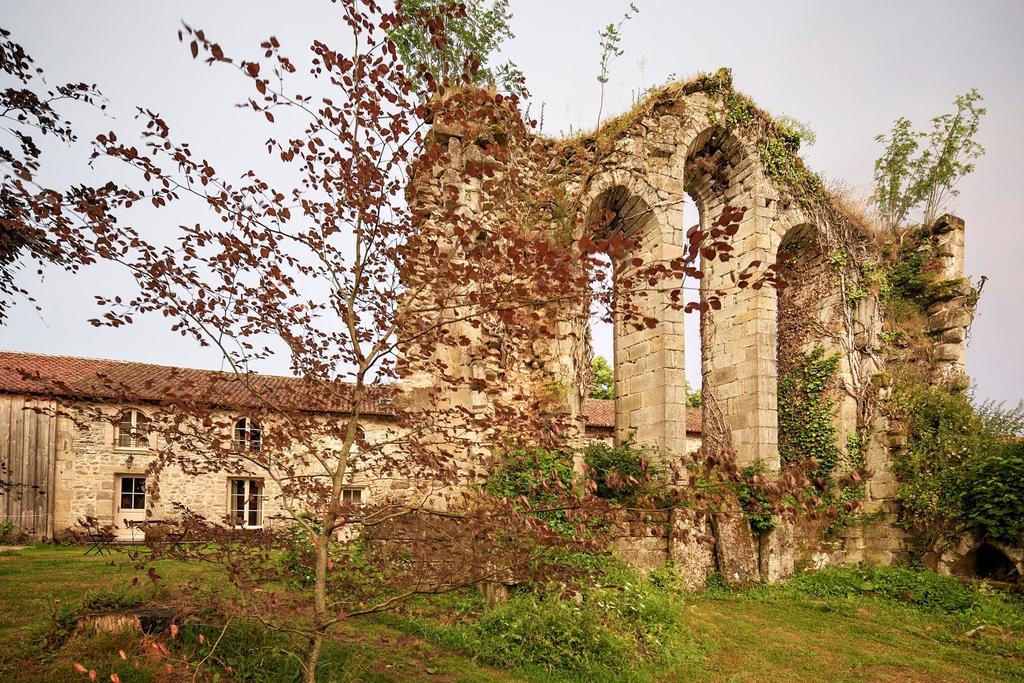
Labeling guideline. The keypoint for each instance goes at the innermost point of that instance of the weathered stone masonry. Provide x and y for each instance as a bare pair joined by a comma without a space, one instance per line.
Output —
704,140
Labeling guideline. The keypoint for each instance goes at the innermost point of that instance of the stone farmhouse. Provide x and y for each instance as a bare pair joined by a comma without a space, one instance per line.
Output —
75,437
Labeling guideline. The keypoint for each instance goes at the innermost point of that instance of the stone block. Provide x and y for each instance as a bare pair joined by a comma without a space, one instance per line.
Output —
881,490
883,557
777,552
692,548
949,352
735,549
950,318
955,335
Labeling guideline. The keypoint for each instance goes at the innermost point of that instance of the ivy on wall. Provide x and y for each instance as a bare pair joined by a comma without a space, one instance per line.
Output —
756,505
806,428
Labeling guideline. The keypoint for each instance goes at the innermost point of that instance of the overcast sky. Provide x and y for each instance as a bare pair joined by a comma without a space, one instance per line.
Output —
846,68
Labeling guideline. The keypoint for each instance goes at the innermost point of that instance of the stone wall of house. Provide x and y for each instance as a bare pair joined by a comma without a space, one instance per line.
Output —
89,463
83,475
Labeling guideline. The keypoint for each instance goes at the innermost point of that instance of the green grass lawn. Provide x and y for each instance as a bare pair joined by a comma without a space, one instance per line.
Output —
837,625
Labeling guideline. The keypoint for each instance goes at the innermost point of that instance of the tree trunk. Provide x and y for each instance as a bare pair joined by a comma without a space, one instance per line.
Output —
316,644
312,658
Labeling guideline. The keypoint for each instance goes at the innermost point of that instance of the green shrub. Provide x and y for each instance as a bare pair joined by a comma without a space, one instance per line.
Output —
551,634
921,588
617,624
907,279
621,620
620,472
961,467
992,497
539,476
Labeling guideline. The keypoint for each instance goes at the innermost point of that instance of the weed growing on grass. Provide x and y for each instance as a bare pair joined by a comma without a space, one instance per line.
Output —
617,626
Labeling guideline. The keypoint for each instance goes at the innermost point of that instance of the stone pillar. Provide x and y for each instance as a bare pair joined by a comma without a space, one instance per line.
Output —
740,376
650,366
952,309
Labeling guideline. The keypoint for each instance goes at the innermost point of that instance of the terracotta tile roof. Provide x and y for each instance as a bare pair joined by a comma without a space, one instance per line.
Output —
601,414
91,378
101,379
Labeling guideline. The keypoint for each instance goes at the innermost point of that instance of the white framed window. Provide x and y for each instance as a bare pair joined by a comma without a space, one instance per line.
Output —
352,496
248,435
132,430
245,502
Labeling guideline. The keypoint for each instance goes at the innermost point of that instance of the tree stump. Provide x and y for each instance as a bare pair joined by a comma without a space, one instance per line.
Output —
137,619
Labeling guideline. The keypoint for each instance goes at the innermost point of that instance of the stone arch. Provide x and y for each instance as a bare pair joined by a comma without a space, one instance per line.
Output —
812,314
649,364
660,164
738,363
977,555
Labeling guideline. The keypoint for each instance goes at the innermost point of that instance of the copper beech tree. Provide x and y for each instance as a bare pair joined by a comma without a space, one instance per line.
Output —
363,279
37,220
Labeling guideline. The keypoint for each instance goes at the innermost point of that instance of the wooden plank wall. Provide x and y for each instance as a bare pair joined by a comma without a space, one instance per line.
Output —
28,440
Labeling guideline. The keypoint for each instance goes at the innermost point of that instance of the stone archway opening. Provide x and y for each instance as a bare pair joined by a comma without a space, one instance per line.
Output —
737,335
989,562
647,361
693,322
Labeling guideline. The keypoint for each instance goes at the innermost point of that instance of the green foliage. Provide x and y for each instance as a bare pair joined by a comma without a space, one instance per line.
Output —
620,472
993,494
923,589
846,518
551,634
255,653
854,291
907,279
908,175
894,194
540,477
837,260
794,132
738,110
604,379
960,466
754,501
780,161
806,429
610,37
694,398
299,557
943,435
618,622
64,617
104,599
472,35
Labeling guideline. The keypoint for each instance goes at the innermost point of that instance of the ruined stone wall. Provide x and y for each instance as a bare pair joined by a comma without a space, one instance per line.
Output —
952,311
630,179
